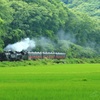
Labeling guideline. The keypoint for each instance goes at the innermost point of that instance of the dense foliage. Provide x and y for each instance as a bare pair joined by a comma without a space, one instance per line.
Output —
54,27
91,7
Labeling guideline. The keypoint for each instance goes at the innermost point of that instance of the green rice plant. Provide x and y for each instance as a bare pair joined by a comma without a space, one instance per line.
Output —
50,82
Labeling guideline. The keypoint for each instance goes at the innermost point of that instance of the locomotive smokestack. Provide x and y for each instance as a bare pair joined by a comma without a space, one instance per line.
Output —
25,44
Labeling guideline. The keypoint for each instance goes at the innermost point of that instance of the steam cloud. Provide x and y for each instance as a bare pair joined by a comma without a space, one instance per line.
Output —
25,44
42,43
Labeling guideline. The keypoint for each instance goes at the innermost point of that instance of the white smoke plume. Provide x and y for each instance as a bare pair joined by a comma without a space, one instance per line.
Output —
62,35
25,44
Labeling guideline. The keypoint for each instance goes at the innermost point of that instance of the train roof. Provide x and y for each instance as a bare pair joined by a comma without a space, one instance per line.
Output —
29,52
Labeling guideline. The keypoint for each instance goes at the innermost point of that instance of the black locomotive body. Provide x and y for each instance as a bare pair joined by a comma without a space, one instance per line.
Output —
23,55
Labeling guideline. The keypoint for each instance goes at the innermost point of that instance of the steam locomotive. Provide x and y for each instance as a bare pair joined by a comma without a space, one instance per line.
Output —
25,55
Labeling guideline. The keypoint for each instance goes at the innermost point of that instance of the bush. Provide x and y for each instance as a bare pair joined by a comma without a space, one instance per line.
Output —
48,62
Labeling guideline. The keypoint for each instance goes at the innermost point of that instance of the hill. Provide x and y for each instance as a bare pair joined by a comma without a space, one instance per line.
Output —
91,7
52,25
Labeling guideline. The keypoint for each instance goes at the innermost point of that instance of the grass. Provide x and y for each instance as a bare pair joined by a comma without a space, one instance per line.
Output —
50,82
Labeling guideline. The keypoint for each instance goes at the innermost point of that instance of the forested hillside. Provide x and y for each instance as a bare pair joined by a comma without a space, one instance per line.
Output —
91,7
51,24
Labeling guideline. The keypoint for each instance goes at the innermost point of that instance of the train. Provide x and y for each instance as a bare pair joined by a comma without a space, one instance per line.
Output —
25,55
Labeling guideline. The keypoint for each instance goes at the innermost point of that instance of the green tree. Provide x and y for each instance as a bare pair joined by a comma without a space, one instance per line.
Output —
5,19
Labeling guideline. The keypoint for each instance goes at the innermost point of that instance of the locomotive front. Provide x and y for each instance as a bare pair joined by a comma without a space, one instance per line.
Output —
4,56
12,56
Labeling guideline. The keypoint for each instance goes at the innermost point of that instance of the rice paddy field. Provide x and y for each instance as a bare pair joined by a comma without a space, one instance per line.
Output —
50,82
